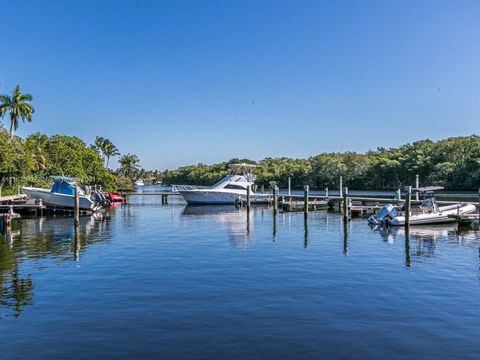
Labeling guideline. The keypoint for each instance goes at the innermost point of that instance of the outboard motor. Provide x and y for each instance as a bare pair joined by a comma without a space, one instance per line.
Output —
99,198
388,212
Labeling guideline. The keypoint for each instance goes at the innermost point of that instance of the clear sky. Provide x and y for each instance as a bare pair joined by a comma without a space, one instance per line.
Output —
181,82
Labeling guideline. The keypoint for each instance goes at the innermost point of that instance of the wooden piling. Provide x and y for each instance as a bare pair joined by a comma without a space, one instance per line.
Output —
408,206
289,186
345,204
263,189
76,219
399,195
248,198
417,185
275,198
340,194
305,200
326,192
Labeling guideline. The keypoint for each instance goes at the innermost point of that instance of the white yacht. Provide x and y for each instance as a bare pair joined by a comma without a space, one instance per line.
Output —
229,190
427,213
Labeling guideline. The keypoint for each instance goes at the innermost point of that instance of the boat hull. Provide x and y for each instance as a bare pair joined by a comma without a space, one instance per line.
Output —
442,216
59,200
208,197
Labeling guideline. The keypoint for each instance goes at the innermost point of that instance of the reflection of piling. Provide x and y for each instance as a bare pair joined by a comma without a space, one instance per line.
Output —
77,243
76,219
305,200
305,239
408,207
345,238
274,225
407,249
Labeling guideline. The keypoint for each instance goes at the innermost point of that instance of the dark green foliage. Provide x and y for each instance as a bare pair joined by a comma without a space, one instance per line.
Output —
453,163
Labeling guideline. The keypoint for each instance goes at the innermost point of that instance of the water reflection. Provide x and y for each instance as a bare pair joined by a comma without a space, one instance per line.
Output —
421,241
38,239
235,221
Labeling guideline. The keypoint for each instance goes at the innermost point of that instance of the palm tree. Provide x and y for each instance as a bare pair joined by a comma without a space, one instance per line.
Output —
18,106
109,150
129,164
99,145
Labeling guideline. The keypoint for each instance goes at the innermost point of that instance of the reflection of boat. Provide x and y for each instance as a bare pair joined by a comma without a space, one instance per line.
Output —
227,191
62,195
429,233
427,213
233,220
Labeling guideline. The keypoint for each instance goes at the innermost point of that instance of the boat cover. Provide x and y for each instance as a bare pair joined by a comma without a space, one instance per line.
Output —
61,187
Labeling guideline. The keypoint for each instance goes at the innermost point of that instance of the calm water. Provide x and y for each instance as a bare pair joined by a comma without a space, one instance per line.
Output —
152,281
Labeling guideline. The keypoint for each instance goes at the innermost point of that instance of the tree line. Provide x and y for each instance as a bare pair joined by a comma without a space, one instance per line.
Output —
32,160
453,163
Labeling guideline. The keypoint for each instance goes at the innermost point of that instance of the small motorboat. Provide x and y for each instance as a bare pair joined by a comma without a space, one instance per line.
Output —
427,213
116,197
62,195
229,190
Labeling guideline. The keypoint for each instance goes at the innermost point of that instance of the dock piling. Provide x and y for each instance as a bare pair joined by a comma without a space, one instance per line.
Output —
345,204
248,198
326,192
340,194
417,185
289,185
76,219
275,199
305,200
408,207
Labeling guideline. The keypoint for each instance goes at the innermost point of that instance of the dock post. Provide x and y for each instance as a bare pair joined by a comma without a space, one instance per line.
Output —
0,191
399,194
340,194
289,185
326,192
275,199
408,207
76,219
417,185
479,204
248,198
263,189
305,200
345,204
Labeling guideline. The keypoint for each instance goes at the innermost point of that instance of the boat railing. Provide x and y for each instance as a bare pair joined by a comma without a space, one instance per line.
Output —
187,187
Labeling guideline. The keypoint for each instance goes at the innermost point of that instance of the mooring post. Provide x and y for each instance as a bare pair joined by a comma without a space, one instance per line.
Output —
479,203
408,206
417,185
76,216
305,200
248,198
345,204
399,194
289,185
0,191
326,192
263,189
341,187
275,199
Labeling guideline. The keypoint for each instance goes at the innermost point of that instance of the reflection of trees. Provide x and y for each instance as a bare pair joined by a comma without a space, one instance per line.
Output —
36,239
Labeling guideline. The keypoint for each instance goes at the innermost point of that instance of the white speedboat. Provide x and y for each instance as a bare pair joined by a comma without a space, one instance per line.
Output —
427,213
227,191
62,195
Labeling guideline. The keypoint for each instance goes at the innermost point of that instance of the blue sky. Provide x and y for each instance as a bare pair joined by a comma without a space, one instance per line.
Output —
182,82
